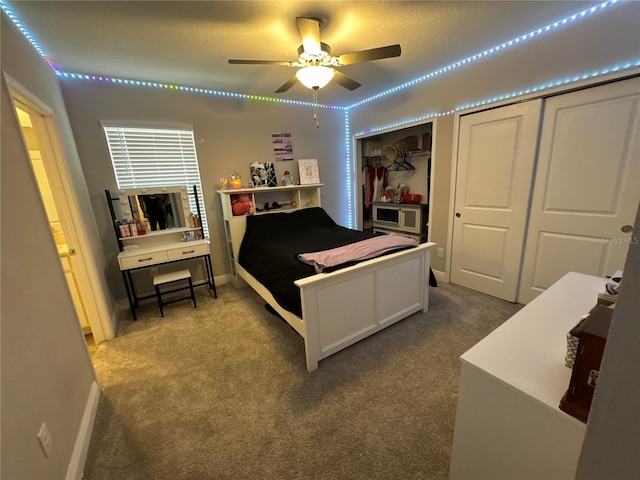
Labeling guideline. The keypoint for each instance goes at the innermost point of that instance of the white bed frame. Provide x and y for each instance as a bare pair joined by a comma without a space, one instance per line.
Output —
342,307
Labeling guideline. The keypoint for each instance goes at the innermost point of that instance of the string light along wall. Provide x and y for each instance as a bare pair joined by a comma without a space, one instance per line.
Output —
349,140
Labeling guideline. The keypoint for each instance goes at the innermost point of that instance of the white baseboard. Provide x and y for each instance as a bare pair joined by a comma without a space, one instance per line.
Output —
222,279
441,276
75,470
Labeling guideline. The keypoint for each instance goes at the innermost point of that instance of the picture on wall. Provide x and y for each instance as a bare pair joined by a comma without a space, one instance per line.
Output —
282,146
309,173
263,174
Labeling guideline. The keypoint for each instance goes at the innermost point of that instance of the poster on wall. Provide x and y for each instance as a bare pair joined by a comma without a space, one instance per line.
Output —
282,146
309,174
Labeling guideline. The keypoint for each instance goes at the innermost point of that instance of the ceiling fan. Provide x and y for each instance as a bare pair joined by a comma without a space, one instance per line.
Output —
316,62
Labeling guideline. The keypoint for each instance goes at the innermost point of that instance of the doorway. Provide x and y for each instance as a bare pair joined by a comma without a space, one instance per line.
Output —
30,127
65,219
383,175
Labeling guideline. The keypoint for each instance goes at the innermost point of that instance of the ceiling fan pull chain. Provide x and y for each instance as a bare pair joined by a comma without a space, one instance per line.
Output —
315,107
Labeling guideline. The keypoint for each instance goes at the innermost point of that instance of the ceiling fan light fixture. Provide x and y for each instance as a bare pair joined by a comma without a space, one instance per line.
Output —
315,76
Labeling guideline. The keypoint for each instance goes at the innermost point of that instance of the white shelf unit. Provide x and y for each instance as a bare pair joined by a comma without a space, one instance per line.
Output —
294,197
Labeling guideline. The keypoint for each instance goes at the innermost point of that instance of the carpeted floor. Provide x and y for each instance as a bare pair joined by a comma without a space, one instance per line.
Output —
222,392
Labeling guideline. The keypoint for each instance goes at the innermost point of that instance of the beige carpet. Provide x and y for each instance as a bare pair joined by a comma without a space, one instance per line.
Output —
221,392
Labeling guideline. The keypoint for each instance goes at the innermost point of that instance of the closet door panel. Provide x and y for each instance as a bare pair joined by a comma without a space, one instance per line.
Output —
587,186
496,152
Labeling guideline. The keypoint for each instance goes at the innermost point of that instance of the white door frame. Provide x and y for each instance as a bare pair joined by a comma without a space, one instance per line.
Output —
357,149
501,103
90,288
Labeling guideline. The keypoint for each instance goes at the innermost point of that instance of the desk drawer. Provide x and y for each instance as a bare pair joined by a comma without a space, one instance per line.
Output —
136,261
187,251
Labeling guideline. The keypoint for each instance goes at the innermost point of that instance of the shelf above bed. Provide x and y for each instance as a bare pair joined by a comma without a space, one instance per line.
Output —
295,196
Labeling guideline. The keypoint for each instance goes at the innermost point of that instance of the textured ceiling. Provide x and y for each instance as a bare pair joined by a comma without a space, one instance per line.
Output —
189,43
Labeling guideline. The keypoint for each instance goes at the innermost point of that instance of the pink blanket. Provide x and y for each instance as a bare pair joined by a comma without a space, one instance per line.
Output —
362,250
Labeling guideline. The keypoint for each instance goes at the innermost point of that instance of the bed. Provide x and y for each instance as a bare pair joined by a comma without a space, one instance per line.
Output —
344,304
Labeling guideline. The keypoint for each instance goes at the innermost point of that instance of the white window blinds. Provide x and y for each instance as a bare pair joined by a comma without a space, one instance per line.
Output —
155,157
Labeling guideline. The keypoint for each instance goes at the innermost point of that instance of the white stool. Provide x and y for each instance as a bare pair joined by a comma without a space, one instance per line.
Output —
172,277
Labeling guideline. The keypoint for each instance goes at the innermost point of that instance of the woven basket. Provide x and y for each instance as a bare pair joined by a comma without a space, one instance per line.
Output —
405,145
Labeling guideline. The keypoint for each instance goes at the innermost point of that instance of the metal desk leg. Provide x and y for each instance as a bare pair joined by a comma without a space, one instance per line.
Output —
131,295
210,278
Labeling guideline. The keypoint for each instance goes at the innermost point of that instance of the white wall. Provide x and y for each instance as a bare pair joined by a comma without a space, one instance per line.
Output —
46,374
612,441
46,371
602,40
230,134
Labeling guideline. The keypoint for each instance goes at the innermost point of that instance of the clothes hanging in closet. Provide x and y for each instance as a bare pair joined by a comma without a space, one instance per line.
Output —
369,175
379,182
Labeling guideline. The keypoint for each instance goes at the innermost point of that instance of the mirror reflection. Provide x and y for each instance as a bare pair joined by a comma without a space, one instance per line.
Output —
154,208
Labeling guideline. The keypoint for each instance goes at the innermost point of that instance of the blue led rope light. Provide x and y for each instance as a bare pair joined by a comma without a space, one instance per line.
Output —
553,84
349,171
440,71
206,91
16,21
351,168
490,51
506,96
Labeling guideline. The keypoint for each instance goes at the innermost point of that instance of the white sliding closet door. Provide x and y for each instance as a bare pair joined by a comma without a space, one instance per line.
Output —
496,153
587,186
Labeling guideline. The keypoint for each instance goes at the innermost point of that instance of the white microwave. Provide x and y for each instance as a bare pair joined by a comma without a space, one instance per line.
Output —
397,216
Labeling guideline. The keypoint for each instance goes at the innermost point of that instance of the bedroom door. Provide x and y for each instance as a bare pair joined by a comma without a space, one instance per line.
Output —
587,186
496,154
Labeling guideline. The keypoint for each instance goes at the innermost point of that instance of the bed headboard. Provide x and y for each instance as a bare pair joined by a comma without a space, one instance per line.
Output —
292,198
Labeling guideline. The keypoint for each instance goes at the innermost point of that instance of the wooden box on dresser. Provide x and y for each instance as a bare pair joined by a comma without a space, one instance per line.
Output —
288,198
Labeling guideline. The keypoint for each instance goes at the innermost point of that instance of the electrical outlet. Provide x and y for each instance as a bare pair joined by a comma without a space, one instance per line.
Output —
440,252
46,440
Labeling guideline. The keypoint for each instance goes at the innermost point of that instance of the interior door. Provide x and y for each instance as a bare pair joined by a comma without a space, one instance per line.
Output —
587,186
29,124
40,135
496,153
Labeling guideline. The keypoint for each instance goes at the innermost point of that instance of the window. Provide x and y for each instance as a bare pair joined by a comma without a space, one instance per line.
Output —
155,157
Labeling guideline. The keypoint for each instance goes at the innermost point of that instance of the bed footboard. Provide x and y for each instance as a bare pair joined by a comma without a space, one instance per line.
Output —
345,306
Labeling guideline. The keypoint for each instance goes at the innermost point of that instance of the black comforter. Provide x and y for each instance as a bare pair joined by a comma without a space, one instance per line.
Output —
272,242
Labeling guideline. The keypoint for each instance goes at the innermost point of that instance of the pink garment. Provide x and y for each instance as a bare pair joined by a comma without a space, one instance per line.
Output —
369,175
362,250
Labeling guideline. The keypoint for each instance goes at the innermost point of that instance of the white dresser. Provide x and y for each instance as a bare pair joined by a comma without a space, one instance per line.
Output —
508,424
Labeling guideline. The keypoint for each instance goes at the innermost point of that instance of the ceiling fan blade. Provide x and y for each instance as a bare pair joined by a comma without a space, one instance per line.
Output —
290,83
310,34
258,62
345,81
368,55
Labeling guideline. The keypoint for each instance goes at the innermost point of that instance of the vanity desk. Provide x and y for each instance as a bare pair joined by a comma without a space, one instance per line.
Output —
180,238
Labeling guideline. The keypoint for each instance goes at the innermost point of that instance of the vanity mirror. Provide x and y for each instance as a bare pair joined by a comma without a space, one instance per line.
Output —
160,208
